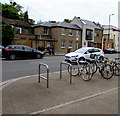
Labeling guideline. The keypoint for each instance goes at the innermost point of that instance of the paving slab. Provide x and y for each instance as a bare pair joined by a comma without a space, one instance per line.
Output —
27,96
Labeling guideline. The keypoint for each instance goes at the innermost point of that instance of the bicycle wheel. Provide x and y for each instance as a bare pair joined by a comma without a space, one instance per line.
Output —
86,72
117,70
75,70
107,71
93,67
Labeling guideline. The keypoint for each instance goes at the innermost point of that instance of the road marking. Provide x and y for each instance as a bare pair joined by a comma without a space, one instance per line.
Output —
8,82
9,61
73,101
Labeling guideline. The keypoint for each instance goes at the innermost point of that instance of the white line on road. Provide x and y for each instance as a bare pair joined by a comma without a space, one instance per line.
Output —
8,82
73,101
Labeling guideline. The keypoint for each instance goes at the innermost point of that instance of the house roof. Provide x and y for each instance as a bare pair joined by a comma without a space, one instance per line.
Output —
110,27
93,24
59,24
14,22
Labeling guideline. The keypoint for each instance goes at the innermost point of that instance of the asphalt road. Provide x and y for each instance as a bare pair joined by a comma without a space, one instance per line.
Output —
20,68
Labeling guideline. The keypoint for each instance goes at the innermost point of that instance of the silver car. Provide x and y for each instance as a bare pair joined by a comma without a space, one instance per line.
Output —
83,53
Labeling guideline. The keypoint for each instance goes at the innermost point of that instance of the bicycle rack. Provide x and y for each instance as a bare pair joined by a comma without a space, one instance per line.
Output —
40,76
70,70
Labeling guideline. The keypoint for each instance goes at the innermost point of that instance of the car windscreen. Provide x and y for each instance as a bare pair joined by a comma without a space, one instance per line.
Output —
82,50
9,47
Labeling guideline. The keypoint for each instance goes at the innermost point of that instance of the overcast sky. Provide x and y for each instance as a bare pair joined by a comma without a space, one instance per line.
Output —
58,10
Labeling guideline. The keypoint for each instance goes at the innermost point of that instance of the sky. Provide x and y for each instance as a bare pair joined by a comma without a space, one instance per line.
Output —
58,10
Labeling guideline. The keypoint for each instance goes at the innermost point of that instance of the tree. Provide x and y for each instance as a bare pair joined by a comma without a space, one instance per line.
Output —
7,34
67,20
14,11
52,21
31,21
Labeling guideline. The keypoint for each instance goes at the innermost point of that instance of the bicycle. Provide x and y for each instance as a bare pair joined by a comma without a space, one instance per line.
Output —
81,68
106,70
115,64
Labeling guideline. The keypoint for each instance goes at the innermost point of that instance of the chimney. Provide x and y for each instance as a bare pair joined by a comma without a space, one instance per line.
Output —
78,17
26,16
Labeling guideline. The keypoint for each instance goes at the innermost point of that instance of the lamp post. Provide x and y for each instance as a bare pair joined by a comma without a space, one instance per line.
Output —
109,27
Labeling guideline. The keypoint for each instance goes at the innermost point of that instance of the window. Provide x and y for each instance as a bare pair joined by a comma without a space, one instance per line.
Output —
89,34
18,30
70,43
28,49
63,31
84,43
90,44
106,36
96,50
62,43
46,31
96,34
91,50
18,47
70,33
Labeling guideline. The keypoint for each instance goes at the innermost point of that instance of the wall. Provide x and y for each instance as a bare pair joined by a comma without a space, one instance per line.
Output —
98,39
78,22
56,34
84,35
113,39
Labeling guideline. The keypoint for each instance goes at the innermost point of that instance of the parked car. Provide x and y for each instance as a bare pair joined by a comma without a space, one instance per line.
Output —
20,51
1,47
83,53
109,51
117,50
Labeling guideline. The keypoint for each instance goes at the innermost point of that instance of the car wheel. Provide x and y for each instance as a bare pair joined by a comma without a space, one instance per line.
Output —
82,59
12,57
39,56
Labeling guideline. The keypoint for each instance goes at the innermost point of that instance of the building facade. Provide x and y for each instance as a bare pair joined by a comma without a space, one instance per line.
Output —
63,36
98,36
110,36
23,31
91,34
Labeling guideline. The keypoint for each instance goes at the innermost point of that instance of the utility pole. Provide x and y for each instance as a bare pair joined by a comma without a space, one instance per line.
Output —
109,28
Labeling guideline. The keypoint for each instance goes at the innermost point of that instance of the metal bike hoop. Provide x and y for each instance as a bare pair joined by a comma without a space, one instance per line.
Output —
62,62
40,76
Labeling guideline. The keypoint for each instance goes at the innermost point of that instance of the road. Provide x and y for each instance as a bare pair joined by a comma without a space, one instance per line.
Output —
20,68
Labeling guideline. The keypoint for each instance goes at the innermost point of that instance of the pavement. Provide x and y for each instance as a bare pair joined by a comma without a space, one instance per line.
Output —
26,96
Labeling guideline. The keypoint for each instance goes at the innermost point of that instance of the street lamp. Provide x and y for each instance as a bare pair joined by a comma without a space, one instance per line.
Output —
109,27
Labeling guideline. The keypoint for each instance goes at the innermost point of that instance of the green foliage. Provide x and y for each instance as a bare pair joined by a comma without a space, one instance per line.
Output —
11,12
67,20
7,34
31,21
52,21
14,11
